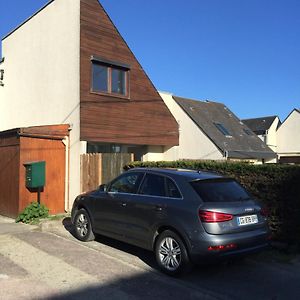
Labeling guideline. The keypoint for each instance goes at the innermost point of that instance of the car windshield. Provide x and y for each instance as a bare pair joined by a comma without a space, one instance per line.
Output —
220,190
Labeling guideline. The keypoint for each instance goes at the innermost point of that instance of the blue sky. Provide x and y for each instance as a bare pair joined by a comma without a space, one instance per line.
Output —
244,53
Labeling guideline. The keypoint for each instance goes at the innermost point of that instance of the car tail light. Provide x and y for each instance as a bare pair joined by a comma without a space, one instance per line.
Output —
222,247
214,217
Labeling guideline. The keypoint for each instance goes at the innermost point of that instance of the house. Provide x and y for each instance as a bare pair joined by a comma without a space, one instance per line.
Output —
288,138
68,65
266,129
209,130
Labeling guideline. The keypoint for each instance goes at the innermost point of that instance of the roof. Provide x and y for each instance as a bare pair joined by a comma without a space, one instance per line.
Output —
47,132
260,125
225,130
186,173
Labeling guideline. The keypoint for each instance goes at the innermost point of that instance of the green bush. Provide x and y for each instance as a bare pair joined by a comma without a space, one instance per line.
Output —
276,186
32,213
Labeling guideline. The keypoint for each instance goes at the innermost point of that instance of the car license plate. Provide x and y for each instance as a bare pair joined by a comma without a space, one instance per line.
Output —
246,220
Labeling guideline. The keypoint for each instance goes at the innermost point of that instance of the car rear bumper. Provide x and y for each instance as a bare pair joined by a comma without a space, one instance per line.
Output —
204,249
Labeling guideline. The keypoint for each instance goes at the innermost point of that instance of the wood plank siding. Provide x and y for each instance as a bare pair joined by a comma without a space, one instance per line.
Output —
9,175
143,119
23,145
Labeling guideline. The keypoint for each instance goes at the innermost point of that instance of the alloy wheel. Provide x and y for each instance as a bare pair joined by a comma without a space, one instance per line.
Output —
82,225
170,254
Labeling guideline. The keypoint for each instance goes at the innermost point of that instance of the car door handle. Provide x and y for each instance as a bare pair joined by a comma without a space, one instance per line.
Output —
124,204
158,208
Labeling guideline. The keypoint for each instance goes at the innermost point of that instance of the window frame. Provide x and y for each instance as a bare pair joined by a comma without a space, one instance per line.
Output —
110,65
167,195
140,179
223,129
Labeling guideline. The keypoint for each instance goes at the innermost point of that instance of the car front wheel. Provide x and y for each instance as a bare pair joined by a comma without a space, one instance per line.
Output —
171,254
83,226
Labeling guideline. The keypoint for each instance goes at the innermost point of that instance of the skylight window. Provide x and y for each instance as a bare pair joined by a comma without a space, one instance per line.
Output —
223,129
247,131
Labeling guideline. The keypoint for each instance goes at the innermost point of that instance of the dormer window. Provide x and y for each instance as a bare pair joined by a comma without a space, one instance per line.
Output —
110,78
223,129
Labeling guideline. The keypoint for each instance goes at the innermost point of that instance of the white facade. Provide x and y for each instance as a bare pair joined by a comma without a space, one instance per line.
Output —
42,88
193,143
270,138
288,135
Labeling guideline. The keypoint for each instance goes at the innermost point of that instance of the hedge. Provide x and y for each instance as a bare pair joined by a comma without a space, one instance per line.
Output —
277,187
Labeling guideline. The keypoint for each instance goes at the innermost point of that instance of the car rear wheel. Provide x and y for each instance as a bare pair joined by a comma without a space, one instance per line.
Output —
83,226
171,254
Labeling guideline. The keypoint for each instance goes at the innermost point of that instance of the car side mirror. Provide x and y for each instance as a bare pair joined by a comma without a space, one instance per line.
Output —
103,187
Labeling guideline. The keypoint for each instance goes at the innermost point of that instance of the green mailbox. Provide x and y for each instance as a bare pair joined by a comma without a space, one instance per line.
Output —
35,174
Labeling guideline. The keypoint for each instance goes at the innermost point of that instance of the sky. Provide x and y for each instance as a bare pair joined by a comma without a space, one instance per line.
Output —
243,53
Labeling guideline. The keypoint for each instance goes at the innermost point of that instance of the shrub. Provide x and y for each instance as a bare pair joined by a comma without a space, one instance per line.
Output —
32,213
276,186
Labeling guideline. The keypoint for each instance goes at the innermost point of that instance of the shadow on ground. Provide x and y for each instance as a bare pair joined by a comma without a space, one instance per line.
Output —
146,256
242,279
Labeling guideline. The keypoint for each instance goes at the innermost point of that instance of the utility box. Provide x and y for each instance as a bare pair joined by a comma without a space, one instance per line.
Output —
35,174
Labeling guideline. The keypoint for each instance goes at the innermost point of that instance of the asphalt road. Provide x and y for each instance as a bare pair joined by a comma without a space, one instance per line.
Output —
49,263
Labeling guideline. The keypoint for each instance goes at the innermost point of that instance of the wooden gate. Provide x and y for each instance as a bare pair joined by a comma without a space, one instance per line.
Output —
99,168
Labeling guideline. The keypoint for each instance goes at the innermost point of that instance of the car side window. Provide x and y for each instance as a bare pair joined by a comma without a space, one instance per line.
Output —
128,183
172,189
154,185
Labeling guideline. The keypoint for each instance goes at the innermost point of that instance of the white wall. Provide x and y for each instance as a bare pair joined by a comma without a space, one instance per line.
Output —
42,76
288,135
271,135
154,153
193,143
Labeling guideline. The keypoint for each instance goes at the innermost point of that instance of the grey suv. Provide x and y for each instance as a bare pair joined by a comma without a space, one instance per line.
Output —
183,216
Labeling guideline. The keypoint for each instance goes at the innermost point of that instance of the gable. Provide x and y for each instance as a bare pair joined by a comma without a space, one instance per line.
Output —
288,134
139,117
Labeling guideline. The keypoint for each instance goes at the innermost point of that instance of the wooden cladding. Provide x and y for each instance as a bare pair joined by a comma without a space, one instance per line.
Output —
23,145
99,168
142,118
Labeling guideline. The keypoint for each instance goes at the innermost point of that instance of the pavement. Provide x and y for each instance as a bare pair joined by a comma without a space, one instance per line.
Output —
47,262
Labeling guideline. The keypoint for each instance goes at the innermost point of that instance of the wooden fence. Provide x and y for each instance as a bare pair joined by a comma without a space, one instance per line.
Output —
101,168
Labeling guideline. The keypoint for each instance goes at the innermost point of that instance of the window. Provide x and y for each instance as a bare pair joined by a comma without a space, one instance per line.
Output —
222,128
154,185
110,78
129,183
247,131
172,189
220,190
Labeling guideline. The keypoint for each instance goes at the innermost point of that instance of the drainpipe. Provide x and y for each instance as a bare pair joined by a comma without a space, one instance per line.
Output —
66,142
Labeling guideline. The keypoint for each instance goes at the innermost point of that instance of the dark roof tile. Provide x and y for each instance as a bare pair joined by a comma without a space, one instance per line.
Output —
260,125
241,143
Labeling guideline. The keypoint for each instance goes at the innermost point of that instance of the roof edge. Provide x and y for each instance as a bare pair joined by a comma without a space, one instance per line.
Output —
28,19
222,150
258,118
294,109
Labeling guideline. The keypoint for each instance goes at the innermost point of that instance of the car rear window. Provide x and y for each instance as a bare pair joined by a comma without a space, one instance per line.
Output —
220,190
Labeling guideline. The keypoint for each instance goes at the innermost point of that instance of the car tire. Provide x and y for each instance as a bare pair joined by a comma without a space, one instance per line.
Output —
83,227
171,254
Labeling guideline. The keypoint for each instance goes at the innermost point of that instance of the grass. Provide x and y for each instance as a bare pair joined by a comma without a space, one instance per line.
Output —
58,217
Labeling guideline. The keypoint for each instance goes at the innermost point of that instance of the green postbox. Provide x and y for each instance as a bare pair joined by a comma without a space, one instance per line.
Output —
35,174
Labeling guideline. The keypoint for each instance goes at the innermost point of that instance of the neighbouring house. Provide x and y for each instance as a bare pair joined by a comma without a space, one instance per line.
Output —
288,139
266,129
209,130
68,64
